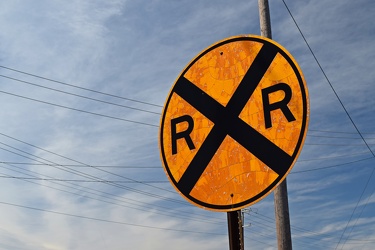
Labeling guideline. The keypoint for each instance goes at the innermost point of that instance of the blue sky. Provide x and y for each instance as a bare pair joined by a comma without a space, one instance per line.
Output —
94,180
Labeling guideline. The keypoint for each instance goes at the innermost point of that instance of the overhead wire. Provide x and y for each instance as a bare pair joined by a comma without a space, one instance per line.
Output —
77,188
270,233
76,180
158,167
78,87
332,157
70,159
79,110
335,144
158,181
108,221
272,221
80,96
340,132
134,204
81,173
133,100
259,241
82,166
334,137
353,138
93,178
327,79
359,216
139,204
306,235
350,118
333,166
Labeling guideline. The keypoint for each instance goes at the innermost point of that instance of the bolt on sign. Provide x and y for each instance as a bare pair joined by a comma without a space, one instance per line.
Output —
234,123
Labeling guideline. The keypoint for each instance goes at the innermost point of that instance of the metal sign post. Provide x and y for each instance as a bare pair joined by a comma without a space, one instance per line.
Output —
235,230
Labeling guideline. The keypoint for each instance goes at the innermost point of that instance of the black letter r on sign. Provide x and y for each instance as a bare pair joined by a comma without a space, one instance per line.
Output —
183,134
282,105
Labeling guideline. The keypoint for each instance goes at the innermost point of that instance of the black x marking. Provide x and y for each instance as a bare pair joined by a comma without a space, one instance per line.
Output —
227,122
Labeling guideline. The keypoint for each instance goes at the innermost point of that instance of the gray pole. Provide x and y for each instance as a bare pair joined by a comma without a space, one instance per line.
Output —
284,239
265,19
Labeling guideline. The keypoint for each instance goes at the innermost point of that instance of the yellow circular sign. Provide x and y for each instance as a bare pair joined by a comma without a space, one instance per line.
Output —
234,123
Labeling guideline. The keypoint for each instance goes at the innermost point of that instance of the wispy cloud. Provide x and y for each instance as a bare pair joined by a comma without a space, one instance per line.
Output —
137,50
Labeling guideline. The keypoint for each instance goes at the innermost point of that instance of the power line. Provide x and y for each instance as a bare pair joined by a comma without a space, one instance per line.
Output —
306,233
88,176
95,178
355,208
335,144
76,180
360,214
70,159
339,132
328,81
159,167
332,157
79,110
117,185
140,182
79,166
92,177
335,137
256,240
271,231
79,189
78,87
106,196
108,221
80,96
350,118
334,166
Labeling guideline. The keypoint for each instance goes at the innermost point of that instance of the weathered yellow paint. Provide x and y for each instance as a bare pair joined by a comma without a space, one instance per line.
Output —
282,133
233,175
179,162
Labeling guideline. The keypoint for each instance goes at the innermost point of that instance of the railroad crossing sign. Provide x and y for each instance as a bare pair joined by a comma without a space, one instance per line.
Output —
234,123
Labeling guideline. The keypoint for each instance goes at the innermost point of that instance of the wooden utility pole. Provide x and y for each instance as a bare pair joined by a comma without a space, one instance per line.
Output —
284,239
265,19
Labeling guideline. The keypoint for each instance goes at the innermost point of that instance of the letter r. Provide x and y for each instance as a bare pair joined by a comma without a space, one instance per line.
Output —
182,134
282,105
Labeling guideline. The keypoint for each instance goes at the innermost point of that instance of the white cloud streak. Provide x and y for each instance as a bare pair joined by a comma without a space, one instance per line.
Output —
136,49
